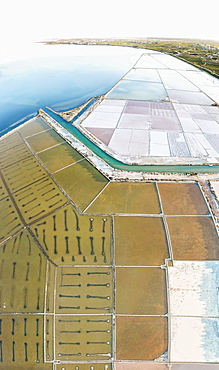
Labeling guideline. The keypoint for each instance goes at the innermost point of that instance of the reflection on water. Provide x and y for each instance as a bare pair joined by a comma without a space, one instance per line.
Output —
58,76
138,90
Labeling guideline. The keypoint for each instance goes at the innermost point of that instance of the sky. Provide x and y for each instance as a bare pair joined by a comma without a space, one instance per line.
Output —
22,20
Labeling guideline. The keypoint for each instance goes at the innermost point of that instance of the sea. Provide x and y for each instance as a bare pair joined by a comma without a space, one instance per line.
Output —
37,75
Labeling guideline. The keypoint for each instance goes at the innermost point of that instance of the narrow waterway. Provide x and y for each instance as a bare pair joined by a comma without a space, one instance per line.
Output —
126,167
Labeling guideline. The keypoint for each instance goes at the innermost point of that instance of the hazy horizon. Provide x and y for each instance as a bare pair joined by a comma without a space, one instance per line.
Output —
24,20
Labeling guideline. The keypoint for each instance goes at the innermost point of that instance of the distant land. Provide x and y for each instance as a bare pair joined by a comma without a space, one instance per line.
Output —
202,53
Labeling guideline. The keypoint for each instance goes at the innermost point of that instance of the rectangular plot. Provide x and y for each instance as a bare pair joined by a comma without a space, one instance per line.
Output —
110,108
59,157
113,102
178,146
193,238
121,135
141,74
140,241
23,269
195,147
138,90
134,121
214,140
102,134
140,291
173,63
165,123
182,199
22,342
33,127
215,117
159,145
120,140
209,127
174,80
188,124
44,140
131,341
211,109
202,139
138,104
139,144
82,182
136,198
84,290
137,109
189,97
79,338
212,92
147,61
102,119
197,77
201,116
194,339
193,288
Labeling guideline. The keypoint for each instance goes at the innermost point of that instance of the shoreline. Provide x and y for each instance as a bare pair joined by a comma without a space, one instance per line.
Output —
194,51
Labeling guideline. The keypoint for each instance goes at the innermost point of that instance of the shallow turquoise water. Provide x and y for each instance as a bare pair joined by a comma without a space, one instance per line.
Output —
64,77
138,90
59,76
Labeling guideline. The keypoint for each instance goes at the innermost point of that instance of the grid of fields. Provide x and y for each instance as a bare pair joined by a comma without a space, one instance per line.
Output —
90,267
163,107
